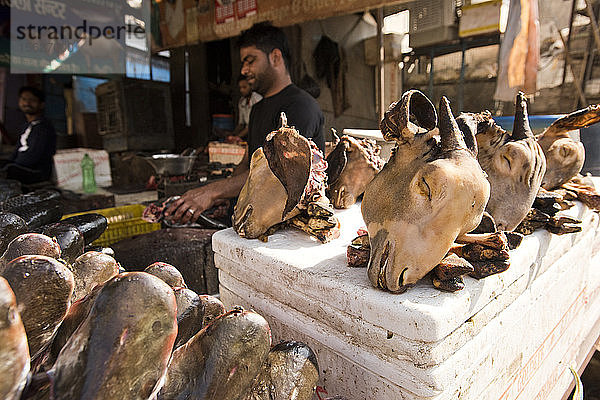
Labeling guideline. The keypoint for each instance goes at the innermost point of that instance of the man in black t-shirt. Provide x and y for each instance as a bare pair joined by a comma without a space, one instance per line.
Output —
31,161
265,55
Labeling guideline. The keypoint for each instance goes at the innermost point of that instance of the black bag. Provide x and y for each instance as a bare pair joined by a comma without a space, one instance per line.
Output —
308,83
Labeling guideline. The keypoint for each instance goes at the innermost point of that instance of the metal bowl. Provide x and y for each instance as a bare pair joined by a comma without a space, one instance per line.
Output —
171,164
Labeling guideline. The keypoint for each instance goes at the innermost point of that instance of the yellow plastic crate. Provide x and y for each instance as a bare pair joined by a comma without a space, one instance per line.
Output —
123,222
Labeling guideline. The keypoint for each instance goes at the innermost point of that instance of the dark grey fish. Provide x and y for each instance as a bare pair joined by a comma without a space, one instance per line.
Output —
77,313
30,244
213,308
16,203
290,371
43,287
221,361
14,354
91,269
11,226
68,237
91,225
122,349
39,214
167,273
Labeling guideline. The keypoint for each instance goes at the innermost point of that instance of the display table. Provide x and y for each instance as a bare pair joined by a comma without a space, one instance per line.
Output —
508,336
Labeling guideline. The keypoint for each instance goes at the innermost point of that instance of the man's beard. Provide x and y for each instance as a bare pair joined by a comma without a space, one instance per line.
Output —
264,80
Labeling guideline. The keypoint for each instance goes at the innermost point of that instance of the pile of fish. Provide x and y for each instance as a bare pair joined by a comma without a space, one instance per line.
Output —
285,187
84,329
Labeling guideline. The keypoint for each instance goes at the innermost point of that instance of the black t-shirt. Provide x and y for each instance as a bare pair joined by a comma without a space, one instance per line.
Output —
36,146
302,111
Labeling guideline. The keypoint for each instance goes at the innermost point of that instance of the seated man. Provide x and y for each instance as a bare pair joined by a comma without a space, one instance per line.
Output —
31,161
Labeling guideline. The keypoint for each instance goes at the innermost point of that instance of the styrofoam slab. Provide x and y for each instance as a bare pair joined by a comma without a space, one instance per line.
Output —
478,362
319,271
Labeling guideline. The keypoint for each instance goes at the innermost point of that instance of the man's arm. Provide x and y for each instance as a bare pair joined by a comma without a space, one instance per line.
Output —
201,199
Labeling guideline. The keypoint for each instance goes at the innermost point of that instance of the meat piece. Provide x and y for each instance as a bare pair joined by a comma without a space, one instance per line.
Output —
134,314
286,174
351,166
43,287
514,164
564,156
427,195
14,353
220,361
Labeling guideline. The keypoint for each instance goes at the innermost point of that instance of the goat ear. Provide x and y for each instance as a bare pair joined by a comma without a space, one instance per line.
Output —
403,120
467,124
336,162
289,157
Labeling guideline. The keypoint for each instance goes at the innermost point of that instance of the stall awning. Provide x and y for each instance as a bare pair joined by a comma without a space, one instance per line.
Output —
191,21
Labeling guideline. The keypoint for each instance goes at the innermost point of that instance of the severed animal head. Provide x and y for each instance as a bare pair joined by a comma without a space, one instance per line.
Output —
430,192
285,172
514,164
351,166
564,156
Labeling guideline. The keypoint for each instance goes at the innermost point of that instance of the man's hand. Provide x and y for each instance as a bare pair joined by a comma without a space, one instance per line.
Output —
191,204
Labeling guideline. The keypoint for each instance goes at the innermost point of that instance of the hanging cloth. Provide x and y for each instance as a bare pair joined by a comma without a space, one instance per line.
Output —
519,51
330,63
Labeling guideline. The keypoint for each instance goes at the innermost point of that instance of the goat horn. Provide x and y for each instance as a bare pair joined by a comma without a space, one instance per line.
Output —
403,119
521,129
449,132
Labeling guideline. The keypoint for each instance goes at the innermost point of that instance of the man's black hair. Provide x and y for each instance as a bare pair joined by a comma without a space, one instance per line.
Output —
34,91
266,38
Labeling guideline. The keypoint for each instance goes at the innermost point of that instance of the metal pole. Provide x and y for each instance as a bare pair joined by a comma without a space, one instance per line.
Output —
431,74
461,85
566,49
380,64
594,23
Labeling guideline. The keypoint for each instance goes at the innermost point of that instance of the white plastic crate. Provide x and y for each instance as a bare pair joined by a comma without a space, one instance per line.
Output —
67,166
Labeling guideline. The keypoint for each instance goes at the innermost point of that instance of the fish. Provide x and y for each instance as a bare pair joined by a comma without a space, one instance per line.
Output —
122,349
91,225
17,202
91,269
167,273
14,353
11,226
69,239
30,244
76,314
43,287
38,214
291,371
221,361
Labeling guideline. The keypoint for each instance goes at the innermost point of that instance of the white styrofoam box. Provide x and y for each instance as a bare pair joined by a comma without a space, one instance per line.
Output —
467,370
312,269
67,166
416,343
226,153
